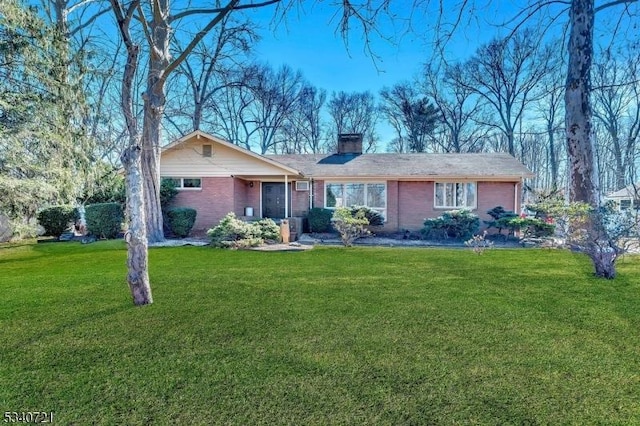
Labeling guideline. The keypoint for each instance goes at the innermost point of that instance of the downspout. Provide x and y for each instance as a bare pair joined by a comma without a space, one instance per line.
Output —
310,194
515,199
286,197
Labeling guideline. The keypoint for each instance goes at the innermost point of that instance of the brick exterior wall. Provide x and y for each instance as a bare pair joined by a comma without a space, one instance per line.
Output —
246,195
318,193
416,201
299,201
408,202
218,196
492,194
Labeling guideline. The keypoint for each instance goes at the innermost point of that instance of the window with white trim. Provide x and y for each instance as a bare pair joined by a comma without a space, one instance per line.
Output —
456,195
185,183
347,194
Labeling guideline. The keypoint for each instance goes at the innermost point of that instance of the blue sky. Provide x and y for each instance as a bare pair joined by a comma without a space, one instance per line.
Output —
308,41
311,44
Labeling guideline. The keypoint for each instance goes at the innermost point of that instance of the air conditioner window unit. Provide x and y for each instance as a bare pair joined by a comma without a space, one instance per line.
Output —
302,185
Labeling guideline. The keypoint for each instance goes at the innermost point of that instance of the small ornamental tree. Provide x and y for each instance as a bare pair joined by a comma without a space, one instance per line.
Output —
374,217
349,226
603,233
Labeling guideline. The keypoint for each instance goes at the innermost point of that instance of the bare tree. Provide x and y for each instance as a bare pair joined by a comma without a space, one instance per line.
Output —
549,107
276,94
505,74
458,107
206,71
303,129
355,113
136,238
411,114
158,22
230,107
616,107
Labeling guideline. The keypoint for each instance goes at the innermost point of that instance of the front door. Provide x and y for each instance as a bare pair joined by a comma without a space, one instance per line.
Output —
273,200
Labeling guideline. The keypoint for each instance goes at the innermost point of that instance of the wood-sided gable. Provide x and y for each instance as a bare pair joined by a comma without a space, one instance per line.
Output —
199,154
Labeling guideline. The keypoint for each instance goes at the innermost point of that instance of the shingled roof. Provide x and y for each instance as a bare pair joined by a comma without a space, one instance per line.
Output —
493,166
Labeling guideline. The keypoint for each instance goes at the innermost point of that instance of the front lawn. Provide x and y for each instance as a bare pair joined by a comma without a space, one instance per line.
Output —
327,336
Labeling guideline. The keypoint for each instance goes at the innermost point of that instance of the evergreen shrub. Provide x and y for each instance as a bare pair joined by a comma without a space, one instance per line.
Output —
319,219
181,220
104,220
57,219
459,224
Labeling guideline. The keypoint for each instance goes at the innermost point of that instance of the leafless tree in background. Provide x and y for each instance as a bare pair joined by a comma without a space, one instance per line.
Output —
505,74
458,107
208,70
411,114
303,130
354,113
616,104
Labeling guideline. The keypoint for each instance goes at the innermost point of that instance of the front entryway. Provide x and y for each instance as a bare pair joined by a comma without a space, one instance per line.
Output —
273,200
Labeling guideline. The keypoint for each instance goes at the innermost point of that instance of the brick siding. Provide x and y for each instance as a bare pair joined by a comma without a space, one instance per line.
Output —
408,202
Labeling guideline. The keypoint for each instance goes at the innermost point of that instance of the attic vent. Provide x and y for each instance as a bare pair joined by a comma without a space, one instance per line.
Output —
207,150
302,185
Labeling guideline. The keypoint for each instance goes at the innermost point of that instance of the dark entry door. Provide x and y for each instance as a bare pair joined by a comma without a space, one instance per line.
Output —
273,200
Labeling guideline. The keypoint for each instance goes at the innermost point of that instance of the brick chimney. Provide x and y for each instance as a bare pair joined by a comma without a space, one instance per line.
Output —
350,143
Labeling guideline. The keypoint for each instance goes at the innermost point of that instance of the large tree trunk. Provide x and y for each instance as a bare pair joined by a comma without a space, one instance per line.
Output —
154,104
150,158
583,168
136,238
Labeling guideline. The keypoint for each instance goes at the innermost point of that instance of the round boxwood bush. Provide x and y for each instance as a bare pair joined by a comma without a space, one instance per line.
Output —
57,219
104,220
181,220
319,219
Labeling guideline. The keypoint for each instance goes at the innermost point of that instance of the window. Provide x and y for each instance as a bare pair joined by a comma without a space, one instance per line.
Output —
207,150
627,204
185,183
456,195
372,195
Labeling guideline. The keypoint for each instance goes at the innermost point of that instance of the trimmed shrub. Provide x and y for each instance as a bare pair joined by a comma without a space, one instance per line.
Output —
452,224
168,192
104,220
373,216
319,219
181,220
349,226
57,219
268,229
531,227
501,218
231,232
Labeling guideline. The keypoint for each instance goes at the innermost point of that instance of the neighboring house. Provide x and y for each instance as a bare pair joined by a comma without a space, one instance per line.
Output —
216,177
626,198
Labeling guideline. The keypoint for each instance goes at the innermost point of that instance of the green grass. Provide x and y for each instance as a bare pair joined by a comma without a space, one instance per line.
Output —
327,336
